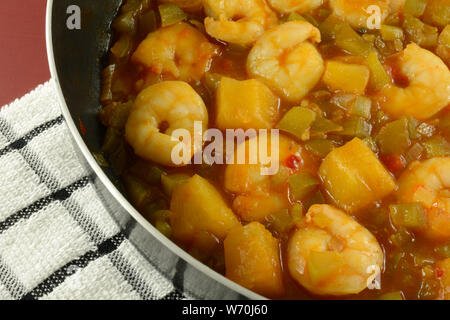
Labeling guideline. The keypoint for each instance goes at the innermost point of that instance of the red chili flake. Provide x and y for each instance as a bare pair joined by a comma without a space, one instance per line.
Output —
82,127
439,272
292,162
421,186
394,162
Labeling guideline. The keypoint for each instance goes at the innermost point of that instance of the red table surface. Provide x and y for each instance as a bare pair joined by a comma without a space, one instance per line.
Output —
23,58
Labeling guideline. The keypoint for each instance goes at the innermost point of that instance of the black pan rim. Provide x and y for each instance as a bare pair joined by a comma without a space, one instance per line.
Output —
89,158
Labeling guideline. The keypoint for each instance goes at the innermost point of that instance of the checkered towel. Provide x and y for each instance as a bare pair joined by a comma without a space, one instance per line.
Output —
57,239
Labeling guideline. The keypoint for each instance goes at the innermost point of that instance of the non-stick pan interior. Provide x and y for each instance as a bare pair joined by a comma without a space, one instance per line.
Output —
79,58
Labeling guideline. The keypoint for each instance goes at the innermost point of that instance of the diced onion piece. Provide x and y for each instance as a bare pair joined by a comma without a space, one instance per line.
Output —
415,7
320,147
437,146
298,121
391,33
170,14
349,40
410,216
302,184
417,31
379,77
356,127
394,137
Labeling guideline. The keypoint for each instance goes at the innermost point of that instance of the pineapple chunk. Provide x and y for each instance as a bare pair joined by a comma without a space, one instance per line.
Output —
252,259
437,13
351,78
245,105
443,48
354,177
197,206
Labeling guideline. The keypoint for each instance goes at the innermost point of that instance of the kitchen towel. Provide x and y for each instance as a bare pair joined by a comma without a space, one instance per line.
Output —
57,238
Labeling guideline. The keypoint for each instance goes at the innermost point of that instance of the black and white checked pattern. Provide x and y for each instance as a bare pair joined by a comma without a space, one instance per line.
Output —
57,240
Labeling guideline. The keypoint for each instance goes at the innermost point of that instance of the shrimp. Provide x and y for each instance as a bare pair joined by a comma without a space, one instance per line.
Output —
358,13
180,52
302,6
169,104
428,91
333,254
428,183
286,61
238,21
258,195
187,5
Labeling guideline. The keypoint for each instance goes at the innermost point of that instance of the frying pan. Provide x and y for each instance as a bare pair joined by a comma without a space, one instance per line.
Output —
76,58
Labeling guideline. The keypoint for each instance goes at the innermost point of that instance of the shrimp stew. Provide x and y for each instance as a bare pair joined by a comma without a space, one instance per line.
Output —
359,206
